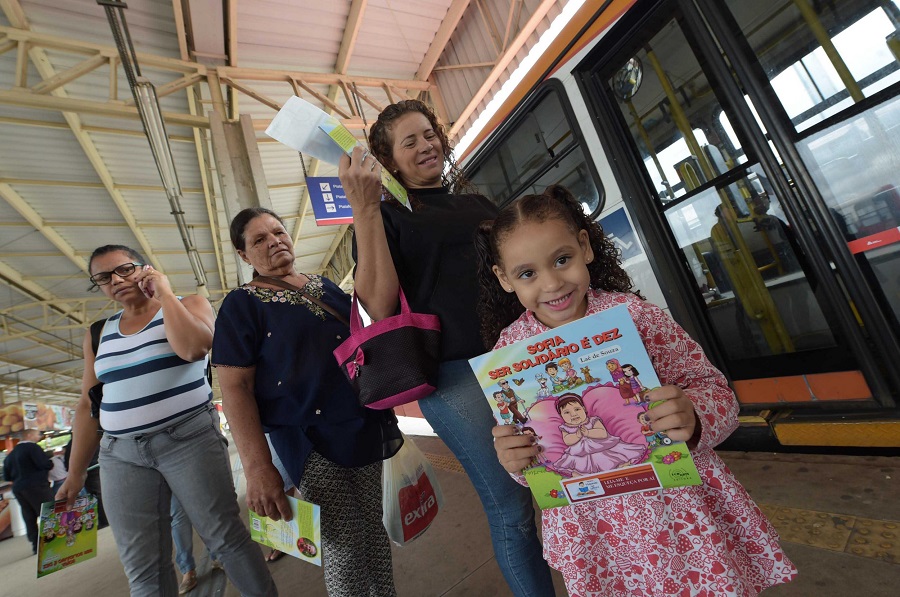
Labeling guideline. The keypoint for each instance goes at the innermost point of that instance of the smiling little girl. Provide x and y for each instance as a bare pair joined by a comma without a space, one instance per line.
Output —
543,263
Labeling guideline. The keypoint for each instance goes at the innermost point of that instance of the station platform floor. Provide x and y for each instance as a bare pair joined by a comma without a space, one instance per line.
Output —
838,517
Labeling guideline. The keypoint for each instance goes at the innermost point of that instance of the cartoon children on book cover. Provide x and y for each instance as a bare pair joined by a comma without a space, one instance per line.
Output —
67,537
580,389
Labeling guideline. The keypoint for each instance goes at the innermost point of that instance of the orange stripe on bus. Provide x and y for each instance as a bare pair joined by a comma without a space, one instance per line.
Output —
770,390
840,385
601,23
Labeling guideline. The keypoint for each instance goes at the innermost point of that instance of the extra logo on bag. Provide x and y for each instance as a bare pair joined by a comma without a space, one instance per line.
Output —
418,506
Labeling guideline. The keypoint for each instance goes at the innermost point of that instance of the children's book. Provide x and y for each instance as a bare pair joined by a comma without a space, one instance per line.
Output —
580,389
307,129
67,537
300,537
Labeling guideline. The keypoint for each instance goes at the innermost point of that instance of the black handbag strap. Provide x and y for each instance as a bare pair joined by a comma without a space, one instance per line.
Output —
96,330
288,286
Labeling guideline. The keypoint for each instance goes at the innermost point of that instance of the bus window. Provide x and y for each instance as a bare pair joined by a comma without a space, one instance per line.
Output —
721,209
855,163
683,146
822,57
571,172
749,271
537,148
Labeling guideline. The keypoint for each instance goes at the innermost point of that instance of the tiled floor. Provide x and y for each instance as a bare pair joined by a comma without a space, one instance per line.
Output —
834,513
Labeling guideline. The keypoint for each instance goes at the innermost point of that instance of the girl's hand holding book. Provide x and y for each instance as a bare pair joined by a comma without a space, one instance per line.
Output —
675,415
515,452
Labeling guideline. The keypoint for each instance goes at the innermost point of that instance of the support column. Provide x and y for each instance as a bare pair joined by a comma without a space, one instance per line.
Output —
242,181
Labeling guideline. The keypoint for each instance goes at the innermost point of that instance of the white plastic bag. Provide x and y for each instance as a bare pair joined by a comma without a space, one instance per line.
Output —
411,494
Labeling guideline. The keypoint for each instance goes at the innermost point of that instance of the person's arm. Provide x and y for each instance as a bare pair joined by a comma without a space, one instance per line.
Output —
689,379
85,438
9,468
189,322
570,439
375,281
265,487
598,431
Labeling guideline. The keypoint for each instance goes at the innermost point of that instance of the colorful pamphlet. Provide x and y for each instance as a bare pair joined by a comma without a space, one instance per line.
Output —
67,537
580,389
346,141
300,537
300,125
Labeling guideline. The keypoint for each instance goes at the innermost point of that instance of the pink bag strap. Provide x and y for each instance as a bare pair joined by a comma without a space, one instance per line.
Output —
356,323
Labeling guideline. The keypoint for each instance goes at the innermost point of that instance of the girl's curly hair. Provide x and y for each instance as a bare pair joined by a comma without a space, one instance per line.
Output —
497,308
381,144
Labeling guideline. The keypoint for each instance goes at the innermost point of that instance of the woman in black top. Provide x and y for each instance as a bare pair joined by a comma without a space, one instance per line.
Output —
429,251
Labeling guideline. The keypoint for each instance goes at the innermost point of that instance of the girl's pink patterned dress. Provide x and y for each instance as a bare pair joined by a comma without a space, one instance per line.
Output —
704,540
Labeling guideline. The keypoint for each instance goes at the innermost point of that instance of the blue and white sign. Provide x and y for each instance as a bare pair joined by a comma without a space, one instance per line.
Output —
329,202
618,229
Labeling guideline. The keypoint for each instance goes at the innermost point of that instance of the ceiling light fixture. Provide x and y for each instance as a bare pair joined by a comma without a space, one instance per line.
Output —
147,103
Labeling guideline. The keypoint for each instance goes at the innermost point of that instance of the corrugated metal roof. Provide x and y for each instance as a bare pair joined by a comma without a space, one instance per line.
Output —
58,175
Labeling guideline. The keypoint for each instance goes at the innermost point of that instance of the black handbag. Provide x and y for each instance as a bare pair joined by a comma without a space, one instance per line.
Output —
394,360
391,362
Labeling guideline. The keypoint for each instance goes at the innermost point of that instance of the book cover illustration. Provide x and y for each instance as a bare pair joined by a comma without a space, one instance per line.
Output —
580,390
300,537
67,537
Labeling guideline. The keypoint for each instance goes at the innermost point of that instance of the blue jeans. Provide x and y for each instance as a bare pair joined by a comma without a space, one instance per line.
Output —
461,416
190,460
183,536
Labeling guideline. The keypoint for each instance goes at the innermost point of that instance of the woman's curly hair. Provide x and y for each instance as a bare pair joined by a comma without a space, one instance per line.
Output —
381,144
497,308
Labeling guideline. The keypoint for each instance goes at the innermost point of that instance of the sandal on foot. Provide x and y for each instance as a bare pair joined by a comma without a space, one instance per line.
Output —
188,582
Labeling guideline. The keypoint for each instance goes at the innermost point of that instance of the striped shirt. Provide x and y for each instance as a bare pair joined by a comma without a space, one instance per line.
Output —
146,386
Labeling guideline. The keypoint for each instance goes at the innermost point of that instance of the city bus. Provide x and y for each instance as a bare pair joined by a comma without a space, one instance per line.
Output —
745,158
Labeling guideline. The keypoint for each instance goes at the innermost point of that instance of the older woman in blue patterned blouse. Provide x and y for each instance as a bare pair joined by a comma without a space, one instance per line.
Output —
273,352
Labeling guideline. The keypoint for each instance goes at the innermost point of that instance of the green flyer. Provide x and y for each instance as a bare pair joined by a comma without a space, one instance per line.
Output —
300,537
346,141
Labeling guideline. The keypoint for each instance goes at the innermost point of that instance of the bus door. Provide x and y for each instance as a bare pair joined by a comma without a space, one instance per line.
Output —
760,270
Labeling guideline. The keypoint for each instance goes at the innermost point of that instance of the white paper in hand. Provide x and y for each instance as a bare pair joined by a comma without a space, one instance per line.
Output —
297,126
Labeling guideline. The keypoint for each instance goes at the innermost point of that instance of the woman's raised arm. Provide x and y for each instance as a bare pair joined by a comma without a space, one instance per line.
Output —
376,283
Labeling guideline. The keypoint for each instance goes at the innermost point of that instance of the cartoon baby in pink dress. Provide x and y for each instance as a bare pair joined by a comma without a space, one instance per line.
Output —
591,449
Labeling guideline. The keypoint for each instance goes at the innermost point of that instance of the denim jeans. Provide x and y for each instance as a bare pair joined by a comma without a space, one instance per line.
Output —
461,416
190,460
183,536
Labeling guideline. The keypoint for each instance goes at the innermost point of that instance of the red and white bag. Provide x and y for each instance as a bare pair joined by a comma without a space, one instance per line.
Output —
411,494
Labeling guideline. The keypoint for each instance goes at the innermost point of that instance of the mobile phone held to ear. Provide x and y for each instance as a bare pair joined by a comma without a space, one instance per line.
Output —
146,286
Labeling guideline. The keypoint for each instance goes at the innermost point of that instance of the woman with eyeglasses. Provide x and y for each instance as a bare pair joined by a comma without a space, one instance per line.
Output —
160,431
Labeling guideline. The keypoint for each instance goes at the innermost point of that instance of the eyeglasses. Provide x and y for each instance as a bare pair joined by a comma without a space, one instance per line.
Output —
123,271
